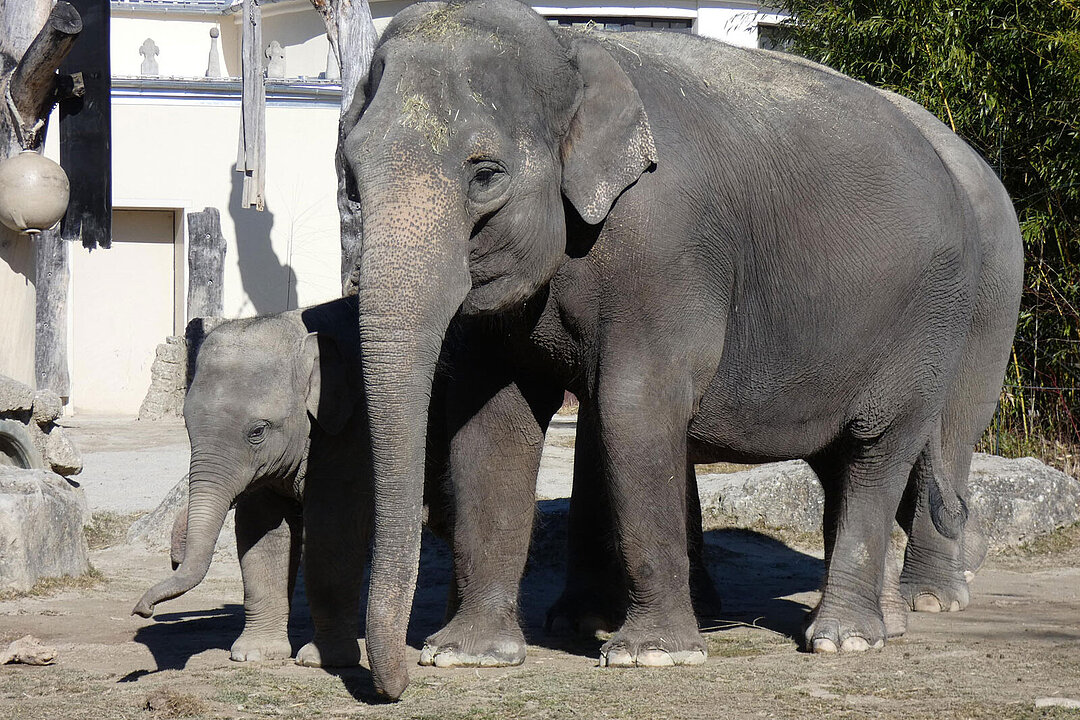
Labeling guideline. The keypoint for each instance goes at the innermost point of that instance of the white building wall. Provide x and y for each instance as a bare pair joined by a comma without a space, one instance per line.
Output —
181,153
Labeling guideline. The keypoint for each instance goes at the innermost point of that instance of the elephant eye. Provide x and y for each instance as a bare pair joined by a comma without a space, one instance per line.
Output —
488,183
257,433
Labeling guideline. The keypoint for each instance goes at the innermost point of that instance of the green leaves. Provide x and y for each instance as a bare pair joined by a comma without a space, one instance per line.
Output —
1005,75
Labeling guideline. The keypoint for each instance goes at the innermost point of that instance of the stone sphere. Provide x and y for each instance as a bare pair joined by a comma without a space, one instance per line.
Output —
33,192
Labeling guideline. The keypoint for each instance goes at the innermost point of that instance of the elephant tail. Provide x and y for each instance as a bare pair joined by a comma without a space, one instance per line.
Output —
948,509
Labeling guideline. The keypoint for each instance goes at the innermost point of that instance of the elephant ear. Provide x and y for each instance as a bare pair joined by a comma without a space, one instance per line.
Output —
329,395
609,143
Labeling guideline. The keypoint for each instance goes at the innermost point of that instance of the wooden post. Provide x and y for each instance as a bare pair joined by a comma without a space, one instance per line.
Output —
251,156
33,89
352,37
206,264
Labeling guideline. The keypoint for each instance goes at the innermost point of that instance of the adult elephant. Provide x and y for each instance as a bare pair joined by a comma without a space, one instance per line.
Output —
726,254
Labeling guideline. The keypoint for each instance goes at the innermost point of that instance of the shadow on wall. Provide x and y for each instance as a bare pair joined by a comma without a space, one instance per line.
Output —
269,283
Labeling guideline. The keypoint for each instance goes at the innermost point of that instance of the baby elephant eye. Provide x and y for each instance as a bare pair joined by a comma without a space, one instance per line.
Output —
257,433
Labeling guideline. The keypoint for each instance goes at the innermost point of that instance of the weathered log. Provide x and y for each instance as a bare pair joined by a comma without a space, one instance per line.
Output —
206,264
251,156
51,284
33,82
352,36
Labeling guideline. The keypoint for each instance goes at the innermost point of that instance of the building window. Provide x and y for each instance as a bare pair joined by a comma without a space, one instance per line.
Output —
623,23
770,36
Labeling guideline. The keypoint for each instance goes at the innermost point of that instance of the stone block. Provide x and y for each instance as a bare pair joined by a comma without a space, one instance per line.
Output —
14,396
1013,500
47,407
154,530
61,454
41,528
1017,499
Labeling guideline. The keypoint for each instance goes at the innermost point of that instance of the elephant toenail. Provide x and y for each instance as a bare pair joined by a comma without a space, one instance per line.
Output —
854,644
654,658
925,602
824,645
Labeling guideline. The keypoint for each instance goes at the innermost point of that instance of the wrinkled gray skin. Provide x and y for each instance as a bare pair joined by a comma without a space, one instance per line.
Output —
276,423
726,254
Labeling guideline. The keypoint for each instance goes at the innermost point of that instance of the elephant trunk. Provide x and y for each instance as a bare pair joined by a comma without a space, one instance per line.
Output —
411,283
207,505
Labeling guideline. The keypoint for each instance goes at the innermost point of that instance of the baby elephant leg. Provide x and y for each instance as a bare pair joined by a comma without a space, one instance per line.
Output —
268,538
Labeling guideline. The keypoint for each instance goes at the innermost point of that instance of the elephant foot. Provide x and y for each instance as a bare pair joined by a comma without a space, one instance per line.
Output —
330,652
468,643
974,549
655,646
582,614
250,647
894,610
834,630
935,597
704,596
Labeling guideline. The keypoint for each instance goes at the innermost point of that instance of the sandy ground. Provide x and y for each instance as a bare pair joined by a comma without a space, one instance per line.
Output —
1018,643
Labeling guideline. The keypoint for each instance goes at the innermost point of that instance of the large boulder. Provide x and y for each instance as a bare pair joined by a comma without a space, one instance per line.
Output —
1014,499
29,435
155,529
41,528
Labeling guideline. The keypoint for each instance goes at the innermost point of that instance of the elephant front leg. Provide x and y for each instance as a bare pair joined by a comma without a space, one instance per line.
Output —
494,459
642,425
594,596
268,541
337,519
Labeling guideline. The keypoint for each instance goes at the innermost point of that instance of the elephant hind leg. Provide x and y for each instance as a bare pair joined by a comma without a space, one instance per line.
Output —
863,489
933,578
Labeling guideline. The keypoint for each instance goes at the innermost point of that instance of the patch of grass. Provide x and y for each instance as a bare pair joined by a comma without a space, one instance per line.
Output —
169,703
1012,444
1059,541
720,468
107,528
51,586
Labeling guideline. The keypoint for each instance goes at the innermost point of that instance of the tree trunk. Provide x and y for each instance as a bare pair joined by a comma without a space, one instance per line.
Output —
352,40
35,37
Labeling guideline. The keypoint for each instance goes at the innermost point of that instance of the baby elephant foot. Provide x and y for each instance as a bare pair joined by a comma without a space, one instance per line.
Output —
468,643
250,647
330,652
654,647
936,597
831,631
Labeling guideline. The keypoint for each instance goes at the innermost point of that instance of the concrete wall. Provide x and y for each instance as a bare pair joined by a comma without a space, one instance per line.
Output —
17,306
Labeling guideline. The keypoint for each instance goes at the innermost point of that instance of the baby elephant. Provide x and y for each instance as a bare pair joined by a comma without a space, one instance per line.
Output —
276,423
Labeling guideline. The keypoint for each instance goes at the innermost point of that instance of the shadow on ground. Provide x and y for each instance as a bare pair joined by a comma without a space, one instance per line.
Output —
754,573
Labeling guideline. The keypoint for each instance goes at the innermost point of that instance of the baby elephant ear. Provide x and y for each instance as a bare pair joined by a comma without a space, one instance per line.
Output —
329,395
609,143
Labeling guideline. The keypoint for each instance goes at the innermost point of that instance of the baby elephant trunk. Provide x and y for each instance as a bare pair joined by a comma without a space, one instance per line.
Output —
205,516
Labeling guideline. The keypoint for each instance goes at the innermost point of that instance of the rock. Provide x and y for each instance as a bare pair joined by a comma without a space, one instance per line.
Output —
41,528
60,453
14,396
47,407
784,495
154,530
1014,499
168,381
28,650
1018,499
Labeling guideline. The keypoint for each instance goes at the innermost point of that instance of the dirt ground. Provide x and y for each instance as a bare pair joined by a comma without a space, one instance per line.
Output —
1018,643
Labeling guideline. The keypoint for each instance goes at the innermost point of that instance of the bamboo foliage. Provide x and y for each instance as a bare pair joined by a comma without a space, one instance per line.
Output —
1005,75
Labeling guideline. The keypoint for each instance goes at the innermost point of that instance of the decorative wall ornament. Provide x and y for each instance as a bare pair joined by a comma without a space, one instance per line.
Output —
149,50
213,64
275,56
